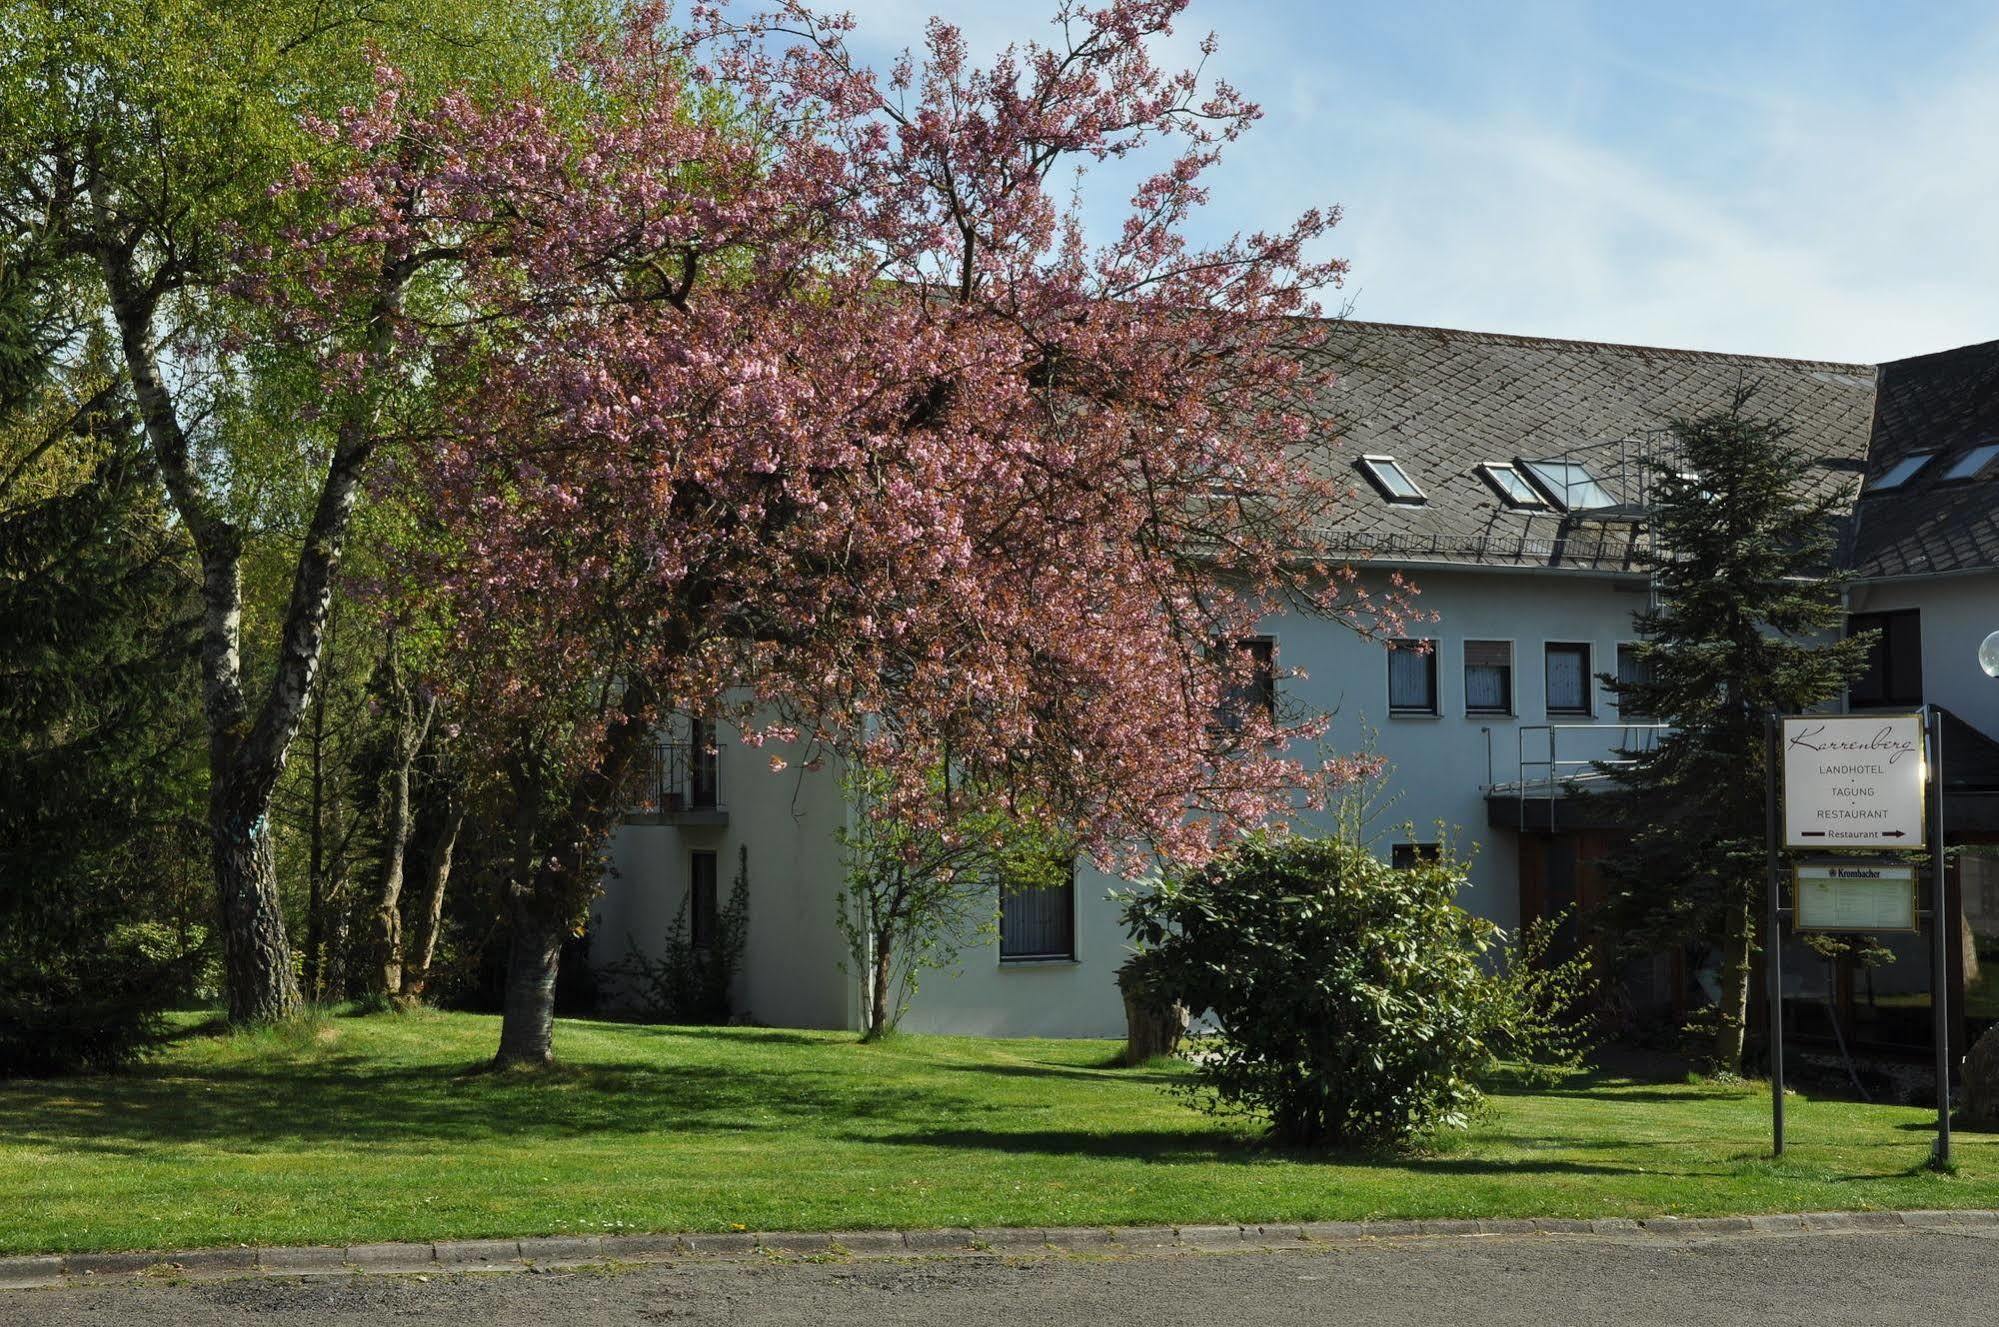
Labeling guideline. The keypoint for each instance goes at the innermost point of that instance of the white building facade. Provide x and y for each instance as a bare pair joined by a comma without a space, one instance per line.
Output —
1506,478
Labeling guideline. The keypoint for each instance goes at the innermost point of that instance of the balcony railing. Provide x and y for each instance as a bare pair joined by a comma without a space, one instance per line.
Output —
683,786
1552,760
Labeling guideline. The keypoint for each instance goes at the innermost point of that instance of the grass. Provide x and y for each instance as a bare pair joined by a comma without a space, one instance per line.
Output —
357,1129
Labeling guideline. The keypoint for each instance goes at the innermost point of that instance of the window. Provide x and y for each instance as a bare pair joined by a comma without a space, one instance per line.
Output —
1405,856
1570,485
1901,472
1488,677
1039,922
1511,485
1632,670
1386,473
1894,673
1973,463
1412,677
1259,692
701,905
1568,679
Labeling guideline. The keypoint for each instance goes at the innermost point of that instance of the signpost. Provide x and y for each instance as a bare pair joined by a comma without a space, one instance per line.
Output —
1854,781
1857,782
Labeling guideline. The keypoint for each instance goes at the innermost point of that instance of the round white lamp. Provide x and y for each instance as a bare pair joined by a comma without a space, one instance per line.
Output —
1988,655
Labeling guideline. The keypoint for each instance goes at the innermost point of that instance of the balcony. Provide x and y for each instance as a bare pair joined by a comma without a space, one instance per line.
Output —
1554,764
683,786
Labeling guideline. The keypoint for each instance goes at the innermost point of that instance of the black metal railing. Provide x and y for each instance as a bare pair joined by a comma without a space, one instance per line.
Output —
685,776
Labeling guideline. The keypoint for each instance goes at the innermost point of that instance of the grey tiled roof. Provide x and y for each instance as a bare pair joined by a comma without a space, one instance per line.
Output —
1443,401
1944,403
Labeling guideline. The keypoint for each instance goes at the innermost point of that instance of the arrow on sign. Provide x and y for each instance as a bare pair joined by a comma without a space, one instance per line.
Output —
1884,834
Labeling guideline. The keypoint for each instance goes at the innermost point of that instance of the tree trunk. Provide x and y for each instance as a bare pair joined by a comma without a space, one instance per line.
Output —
438,848
878,993
256,960
527,1018
247,748
1154,1026
558,869
1732,1015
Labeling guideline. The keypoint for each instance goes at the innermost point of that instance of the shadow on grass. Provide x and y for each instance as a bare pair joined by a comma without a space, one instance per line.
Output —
1111,1071
1174,1148
355,1100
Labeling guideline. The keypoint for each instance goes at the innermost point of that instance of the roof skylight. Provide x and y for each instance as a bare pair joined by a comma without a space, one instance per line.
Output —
1511,485
1901,472
1973,462
1570,484
1394,482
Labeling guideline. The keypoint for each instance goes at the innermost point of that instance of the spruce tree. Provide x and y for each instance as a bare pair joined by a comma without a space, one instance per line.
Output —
97,762
1746,621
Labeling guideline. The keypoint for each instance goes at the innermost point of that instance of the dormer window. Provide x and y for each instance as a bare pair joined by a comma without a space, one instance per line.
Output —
1974,462
1512,486
1386,474
1569,485
1901,472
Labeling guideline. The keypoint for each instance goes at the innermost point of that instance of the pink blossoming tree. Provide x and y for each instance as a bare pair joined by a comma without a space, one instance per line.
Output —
775,390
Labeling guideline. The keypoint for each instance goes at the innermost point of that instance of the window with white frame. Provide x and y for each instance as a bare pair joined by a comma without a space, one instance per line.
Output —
1387,475
1568,678
1412,677
1512,486
1633,669
1488,677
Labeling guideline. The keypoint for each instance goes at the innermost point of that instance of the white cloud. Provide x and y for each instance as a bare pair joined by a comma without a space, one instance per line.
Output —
1604,195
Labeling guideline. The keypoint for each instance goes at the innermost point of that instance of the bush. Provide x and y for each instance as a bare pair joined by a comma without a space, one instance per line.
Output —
96,1008
1356,1001
689,983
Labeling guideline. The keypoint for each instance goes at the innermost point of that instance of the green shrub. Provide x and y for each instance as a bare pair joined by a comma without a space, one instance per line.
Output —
70,1010
1358,1004
689,983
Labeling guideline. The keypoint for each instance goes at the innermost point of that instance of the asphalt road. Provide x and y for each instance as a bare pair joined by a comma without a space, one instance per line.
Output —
1936,1278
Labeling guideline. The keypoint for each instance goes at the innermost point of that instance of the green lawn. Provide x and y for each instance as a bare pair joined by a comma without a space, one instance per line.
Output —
382,1128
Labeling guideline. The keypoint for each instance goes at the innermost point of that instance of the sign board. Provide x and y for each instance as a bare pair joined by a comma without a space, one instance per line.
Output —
1855,897
1854,781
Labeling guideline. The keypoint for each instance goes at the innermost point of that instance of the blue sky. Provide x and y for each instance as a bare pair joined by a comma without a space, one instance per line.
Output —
1815,180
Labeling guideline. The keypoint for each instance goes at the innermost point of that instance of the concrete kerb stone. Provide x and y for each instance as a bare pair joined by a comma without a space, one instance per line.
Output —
110,1264
794,1244
868,1243
397,1257
1017,1241
728,1244
560,1250
471,1255
30,1273
958,1239
307,1260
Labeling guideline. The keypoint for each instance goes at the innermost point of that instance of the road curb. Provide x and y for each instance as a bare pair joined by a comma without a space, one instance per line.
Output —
44,1271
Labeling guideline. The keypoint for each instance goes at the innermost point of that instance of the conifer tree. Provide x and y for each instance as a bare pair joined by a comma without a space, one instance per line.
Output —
1747,622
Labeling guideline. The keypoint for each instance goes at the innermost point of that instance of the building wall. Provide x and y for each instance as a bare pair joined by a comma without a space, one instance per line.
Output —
790,975
1437,771
1957,613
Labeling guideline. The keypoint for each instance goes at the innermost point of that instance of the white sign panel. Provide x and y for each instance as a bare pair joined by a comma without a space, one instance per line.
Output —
1855,898
1854,781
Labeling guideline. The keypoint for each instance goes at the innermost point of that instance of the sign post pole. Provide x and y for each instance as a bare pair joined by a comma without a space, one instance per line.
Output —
1939,950
1773,943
